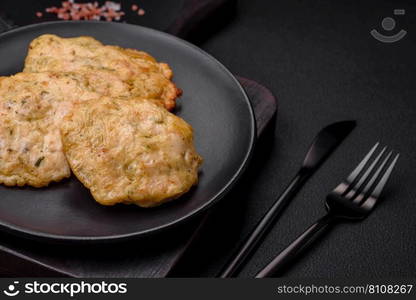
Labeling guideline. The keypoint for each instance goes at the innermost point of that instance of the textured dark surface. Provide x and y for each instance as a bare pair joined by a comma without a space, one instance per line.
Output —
182,18
160,14
320,61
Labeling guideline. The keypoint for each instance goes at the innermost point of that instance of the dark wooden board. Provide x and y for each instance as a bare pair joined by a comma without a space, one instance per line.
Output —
150,257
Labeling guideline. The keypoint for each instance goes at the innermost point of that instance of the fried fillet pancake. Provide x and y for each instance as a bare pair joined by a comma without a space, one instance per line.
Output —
129,151
31,151
30,146
149,78
32,106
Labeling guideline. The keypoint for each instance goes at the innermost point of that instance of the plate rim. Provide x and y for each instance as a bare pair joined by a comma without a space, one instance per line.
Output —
37,235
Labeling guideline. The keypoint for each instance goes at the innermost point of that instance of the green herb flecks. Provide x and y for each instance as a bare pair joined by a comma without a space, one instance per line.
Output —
39,161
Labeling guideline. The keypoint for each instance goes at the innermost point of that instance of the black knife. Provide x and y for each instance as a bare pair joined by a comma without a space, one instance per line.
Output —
322,146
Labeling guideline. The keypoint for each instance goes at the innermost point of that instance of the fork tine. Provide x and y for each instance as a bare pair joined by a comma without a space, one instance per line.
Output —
368,171
379,187
376,175
354,174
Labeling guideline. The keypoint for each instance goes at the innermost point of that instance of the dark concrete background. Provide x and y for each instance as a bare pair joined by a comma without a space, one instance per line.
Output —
322,64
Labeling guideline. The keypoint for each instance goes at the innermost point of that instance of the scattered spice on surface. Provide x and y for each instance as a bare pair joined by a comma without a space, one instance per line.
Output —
71,10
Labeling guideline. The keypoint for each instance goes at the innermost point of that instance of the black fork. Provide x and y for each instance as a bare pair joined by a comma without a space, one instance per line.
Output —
353,199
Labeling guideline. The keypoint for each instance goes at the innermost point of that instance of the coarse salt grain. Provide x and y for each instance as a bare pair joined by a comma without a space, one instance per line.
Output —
70,10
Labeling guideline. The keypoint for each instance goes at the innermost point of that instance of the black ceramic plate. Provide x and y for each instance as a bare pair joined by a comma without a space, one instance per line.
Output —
213,103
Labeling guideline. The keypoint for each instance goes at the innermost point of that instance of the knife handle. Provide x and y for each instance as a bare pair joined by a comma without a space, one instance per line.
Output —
256,236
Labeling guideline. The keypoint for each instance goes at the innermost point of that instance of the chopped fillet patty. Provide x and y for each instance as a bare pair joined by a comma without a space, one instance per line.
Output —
130,151
149,78
32,106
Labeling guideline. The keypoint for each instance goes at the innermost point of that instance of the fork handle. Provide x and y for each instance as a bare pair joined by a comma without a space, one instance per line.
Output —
276,266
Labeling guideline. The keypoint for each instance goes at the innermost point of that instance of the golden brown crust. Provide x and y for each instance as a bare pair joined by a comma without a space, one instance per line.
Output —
150,78
32,106
130,151
31,149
